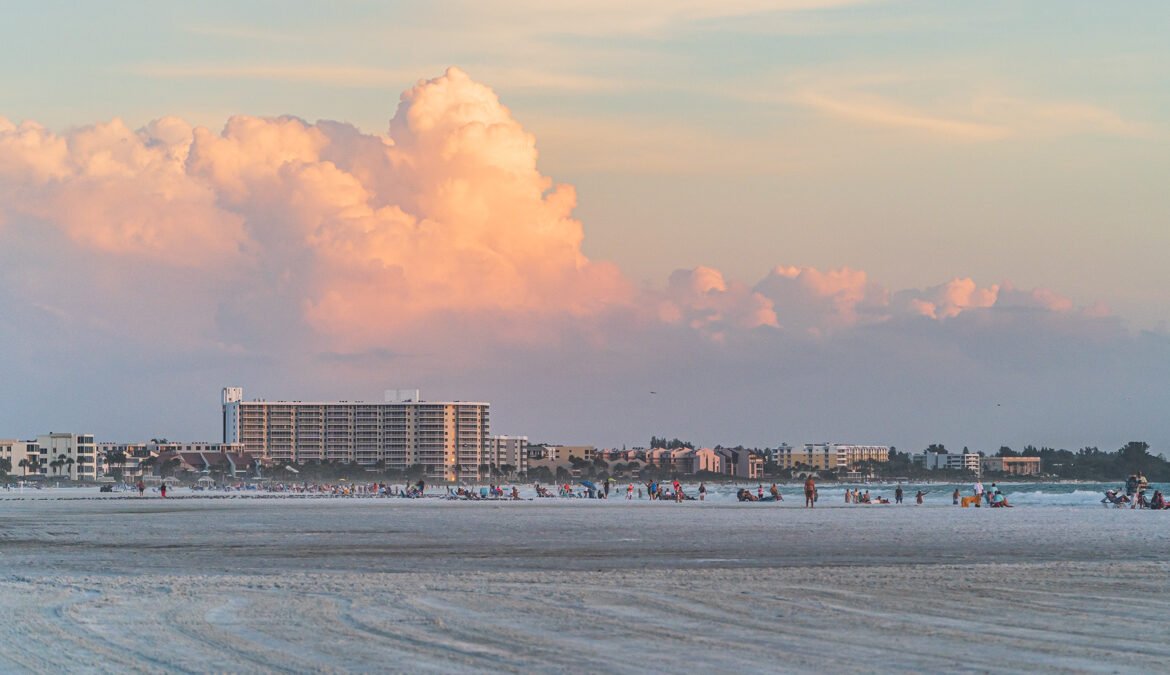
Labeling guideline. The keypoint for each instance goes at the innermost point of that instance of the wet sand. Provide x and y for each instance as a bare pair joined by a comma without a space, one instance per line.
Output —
396,585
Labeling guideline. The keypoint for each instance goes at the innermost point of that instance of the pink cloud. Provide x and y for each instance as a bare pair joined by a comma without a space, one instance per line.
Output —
371,240
702,299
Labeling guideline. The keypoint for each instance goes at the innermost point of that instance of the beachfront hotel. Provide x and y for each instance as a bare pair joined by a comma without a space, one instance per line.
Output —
828,455
447,438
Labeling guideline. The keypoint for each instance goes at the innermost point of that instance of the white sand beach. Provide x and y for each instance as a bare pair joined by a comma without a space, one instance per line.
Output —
395,585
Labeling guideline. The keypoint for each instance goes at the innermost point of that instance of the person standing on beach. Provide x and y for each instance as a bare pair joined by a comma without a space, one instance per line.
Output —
848,495
898,494
776,494
162,489
141,488
702,492
955,497
810,492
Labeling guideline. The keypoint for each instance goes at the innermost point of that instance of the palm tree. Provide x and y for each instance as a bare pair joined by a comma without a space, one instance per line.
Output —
23,464
148,463
5,466
69,463
116,460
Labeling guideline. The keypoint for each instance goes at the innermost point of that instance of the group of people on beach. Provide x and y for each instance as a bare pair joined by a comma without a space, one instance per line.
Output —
993,496
1134,495
745,495
856,496
488,492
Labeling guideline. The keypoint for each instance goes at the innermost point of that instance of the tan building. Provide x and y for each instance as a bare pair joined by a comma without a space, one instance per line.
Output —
16,452
1015,466
553,457
826,456
447,438
726,461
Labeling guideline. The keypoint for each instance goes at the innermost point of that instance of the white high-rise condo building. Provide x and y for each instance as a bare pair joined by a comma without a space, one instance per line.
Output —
447,438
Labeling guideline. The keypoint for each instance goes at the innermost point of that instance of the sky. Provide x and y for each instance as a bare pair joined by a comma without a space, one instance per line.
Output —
791,220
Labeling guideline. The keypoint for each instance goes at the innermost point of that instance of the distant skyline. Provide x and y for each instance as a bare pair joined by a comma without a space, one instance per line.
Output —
794,220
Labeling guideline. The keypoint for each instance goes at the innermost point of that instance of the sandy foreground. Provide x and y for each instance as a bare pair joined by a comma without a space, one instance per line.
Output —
426,586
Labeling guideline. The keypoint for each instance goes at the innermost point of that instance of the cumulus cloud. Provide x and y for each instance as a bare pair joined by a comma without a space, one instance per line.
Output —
281,251
704,301
359,235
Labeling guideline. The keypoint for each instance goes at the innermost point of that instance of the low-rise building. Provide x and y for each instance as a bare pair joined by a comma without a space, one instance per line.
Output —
68,455
24,457
826,456
933,461
1015,466
220,465
553,457
133,460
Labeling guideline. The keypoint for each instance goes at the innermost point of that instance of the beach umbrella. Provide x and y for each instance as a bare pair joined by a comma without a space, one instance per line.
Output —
589,484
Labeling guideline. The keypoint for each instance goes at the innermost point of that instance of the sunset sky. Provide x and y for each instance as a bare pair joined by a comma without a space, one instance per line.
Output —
795,220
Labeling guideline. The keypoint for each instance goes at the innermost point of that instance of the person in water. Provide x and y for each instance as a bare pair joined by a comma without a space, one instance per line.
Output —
955,497
810,493
918,497
898,494
702,491
776,494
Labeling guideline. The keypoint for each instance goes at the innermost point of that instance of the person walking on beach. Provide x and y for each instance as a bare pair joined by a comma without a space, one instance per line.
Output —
898,494
162,489
760,492
702,492
630,492
810,492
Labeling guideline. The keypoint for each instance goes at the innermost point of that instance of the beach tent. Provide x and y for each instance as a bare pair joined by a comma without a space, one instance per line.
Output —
206,482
